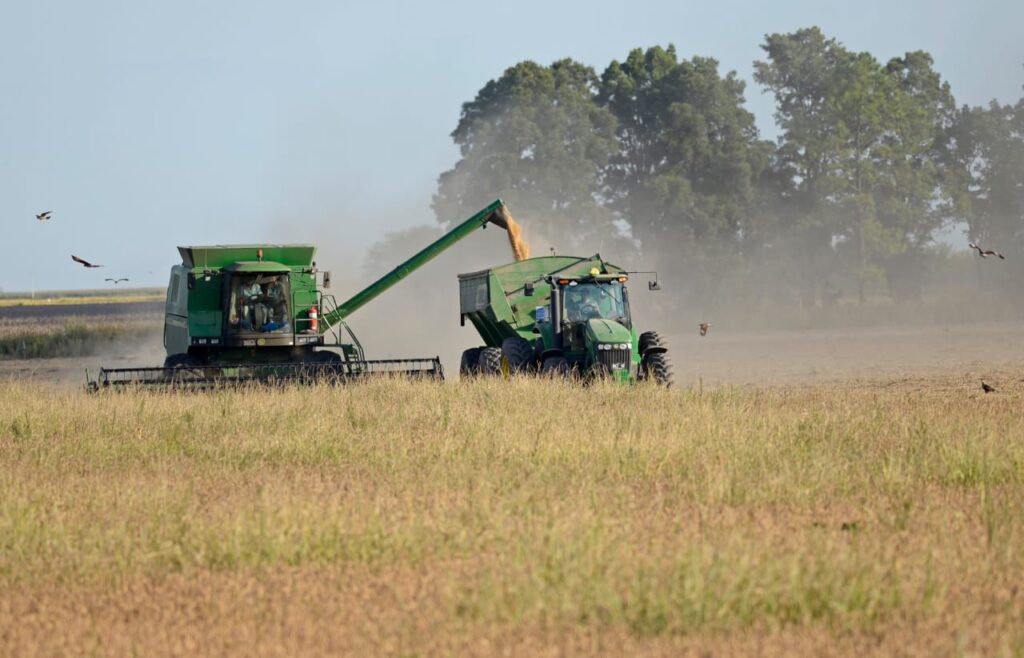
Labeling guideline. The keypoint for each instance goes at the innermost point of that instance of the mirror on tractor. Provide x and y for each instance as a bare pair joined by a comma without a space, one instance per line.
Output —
191,280
327,279
653,285
528,289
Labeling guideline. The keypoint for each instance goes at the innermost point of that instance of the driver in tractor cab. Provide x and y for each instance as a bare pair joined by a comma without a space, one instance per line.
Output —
582,306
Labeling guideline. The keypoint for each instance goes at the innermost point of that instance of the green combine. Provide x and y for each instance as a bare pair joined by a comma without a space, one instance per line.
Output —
244,313
558,316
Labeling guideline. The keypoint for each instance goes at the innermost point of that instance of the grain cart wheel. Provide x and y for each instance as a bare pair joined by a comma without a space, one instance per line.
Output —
470,364
649,339
516,355
489,363
658,366
555,366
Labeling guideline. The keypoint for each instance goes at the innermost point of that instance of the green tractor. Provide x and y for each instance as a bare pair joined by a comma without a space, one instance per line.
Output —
262,312
559,316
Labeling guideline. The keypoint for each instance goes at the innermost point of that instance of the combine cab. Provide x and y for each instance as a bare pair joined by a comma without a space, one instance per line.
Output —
559,316
261,313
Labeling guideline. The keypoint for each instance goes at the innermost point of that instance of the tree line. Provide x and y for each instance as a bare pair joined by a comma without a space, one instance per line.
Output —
658,161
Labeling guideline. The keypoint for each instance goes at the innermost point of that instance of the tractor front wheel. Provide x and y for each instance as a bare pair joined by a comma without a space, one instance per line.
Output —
489,363
658,366
649,339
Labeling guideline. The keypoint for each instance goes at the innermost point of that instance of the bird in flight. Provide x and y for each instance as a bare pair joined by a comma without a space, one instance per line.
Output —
43,216
987,388
985,252
116,281
704,326
83,262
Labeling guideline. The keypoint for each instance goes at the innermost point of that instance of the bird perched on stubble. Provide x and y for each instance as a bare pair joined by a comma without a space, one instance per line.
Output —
43,216
704,326
985,252
83,262
987,388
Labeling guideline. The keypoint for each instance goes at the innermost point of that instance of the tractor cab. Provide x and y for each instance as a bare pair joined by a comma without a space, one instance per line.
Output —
592,310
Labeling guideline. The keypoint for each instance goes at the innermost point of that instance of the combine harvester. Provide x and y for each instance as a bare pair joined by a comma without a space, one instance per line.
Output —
559,316
259,313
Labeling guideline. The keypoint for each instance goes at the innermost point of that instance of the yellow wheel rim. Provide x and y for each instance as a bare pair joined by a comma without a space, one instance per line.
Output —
506,367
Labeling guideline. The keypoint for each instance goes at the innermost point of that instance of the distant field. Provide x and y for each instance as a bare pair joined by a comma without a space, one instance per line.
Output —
528,518
83,299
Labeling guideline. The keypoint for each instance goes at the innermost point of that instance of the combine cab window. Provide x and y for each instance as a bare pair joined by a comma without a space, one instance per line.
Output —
260,303
588,301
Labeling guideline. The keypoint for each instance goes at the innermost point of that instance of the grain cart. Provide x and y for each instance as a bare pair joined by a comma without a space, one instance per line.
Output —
261,313
558,315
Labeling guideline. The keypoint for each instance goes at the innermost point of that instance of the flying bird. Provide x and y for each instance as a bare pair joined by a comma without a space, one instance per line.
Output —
116,281
704,326
43,216
985,252
83,262
988,389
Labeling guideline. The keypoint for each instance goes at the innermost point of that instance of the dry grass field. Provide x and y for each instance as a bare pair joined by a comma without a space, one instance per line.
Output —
874,517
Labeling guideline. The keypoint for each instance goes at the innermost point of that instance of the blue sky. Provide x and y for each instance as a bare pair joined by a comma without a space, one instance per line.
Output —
145,125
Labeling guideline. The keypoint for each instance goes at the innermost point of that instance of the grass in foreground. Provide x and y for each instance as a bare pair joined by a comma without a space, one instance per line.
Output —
426,518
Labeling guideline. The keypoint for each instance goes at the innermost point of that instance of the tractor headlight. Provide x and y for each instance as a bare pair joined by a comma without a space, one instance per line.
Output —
604,346
624,346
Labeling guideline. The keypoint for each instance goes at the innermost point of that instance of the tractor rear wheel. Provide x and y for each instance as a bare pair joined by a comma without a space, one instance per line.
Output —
489,363
517,353
555,366
649,339
658,366
470,363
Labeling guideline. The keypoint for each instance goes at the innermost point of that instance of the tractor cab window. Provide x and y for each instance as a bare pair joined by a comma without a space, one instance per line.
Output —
589,301
260,303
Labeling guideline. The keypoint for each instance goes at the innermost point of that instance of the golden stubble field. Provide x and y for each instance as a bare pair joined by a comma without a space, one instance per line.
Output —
880,517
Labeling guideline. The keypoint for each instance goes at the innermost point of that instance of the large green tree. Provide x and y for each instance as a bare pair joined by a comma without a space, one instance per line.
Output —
689,153
986,162
862,143
536,138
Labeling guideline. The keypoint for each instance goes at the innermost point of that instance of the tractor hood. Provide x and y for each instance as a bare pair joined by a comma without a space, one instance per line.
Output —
607,331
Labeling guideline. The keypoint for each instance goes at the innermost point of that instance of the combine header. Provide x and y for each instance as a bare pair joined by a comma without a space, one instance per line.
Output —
260,313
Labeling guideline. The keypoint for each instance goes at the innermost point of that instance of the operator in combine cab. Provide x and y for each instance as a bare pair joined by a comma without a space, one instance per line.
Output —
277,306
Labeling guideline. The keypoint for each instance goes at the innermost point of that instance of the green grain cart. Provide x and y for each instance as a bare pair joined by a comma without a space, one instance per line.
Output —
559,316
263,313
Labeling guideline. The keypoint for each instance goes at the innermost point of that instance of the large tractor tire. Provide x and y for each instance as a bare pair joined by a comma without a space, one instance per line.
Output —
555,366
470,363
516,355
489,363
657,366
649,339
